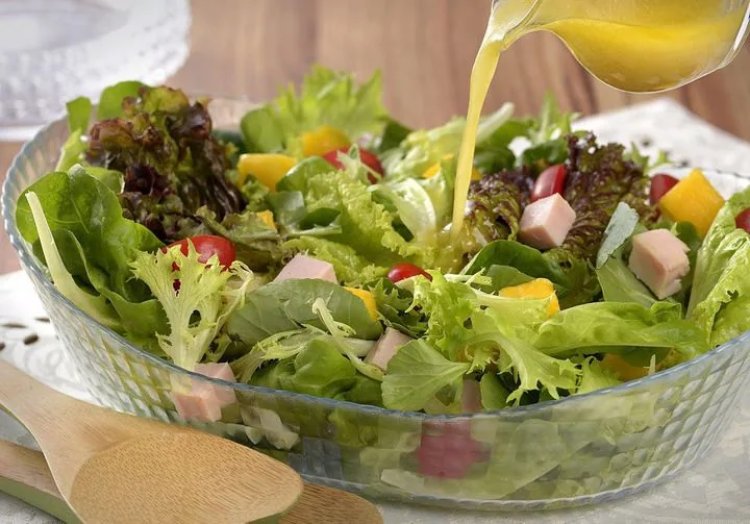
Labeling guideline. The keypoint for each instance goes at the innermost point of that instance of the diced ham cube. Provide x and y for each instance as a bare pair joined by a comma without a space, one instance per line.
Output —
223,371
386,346
203,402
659,259
471,399
546,222
303,266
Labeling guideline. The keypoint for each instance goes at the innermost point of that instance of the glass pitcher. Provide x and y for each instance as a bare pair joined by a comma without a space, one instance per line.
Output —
633,45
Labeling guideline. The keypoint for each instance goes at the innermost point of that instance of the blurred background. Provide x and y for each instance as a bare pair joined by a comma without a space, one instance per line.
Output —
425,50
249,48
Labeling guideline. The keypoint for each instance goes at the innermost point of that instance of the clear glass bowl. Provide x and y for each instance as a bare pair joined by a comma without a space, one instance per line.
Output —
583,449
52,51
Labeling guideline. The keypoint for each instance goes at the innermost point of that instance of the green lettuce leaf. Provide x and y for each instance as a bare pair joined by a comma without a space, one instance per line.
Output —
416,373
423,148
90,211
597,326
534,369
198,310
318,368
366,225
111,100
325,98
721,289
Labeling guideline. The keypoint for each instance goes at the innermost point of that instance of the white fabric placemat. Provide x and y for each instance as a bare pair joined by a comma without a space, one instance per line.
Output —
715,490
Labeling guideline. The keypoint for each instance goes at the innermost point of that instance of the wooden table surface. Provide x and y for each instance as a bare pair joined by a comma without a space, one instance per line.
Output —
425,50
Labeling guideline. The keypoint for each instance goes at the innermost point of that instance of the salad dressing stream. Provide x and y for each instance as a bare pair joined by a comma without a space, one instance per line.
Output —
632,45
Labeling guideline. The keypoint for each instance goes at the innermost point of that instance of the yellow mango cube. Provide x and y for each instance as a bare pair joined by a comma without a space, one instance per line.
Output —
536,289
267,168
267,218
323,140
693,200
622,368
367,298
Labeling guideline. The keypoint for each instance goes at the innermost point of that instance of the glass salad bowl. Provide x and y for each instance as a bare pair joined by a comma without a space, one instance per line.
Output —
582,449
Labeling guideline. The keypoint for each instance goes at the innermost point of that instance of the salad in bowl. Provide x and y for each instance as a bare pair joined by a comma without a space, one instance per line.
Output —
307,251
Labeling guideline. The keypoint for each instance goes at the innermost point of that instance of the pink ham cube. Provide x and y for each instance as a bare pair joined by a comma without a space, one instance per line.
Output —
203,402
546,222
659,259
386,346
303,266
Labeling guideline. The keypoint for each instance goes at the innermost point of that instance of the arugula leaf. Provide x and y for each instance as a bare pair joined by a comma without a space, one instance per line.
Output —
286,305
416,373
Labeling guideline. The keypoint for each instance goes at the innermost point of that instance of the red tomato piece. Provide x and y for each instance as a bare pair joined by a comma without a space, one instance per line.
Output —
660,186
368,158
209,245
743,220
405,270
549,182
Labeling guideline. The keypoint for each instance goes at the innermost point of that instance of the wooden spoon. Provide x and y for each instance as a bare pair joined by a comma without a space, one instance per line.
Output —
24,474
113,468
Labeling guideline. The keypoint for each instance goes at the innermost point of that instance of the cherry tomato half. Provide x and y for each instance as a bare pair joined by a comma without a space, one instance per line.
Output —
209,245
405,270
368,158
743,220
549,182
660,186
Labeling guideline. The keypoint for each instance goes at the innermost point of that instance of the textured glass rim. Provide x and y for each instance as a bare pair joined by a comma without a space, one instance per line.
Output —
32,264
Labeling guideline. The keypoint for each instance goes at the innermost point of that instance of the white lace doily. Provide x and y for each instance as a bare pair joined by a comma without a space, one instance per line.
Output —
715,490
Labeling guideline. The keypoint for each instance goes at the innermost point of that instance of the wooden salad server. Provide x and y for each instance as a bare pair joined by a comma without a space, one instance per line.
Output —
24,474
111,467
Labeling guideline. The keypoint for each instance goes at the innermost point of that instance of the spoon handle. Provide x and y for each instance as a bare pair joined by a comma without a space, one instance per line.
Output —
24,474
28,400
